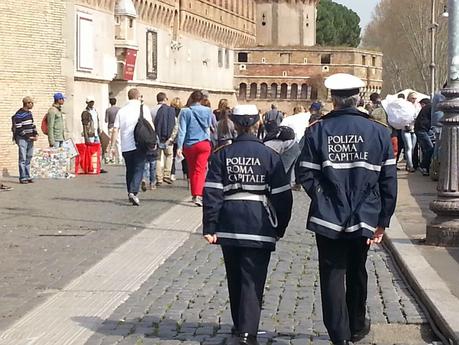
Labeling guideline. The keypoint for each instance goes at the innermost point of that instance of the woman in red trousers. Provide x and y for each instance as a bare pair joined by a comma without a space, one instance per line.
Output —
193,142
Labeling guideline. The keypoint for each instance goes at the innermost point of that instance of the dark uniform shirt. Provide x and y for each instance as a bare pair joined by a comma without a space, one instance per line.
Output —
247,195
348,169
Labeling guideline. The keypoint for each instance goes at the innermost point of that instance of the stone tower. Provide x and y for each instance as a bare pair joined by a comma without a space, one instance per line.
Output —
286,23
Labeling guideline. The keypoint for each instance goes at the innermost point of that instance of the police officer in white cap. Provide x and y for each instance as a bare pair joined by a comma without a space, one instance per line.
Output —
247,206
347,167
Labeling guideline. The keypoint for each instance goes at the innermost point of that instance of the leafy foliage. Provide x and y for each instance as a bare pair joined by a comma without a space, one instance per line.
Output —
337,25
401,30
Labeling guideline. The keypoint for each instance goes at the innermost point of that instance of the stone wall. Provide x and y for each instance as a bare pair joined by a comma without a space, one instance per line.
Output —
295,76
33,61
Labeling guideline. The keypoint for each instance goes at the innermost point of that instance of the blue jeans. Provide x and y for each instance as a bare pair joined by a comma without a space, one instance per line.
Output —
427,148
149,174
135,165
25,156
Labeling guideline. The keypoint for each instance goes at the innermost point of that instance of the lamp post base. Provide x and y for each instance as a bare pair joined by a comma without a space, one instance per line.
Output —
444,228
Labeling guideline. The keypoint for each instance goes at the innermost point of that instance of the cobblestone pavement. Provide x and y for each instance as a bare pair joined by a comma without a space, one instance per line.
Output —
54,230
186,302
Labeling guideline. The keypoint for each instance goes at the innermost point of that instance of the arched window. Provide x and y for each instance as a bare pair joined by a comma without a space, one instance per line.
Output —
273,90
283,92
263,90
314,93
304,91
253,90
294,91
242,91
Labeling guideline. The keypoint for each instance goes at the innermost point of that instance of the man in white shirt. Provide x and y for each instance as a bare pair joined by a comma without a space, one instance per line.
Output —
125,123
299,121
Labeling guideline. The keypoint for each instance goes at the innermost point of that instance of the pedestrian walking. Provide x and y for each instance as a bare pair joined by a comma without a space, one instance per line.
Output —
408,136
424,135
149,174
283,141
226,131
223,106
298,121
55,121
24,134
272,118
246,178
110,116
166,129
378,113
315,111
347,168
176,103
134,158
193,142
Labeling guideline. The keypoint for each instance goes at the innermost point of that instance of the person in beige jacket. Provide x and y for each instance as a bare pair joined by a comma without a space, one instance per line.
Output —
56,121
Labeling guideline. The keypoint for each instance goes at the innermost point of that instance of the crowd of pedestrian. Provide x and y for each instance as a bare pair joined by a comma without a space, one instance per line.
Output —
242,165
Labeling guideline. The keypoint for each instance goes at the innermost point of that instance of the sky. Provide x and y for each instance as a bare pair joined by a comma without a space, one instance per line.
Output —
364,8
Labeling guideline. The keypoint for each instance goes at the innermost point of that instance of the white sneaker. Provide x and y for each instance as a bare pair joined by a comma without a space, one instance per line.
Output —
134,199
198,201
173,178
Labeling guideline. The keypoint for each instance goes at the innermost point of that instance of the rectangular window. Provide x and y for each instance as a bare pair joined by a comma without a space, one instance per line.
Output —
152,54
243,57
285,58
325,59
220,57
364,60
373,61
85,43
227,58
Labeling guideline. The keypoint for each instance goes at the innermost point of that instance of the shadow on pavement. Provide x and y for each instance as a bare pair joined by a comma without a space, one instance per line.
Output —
158,329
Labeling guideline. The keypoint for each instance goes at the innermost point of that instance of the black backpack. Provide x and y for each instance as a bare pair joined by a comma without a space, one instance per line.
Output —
144,135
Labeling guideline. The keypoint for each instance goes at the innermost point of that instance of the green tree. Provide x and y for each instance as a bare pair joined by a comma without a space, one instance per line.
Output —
337,25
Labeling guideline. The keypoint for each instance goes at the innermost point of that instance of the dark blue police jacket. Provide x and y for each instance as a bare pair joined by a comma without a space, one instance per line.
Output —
348,169
247,195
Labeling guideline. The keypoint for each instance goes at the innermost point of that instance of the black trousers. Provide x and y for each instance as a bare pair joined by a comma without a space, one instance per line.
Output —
343,285
135,165
246,270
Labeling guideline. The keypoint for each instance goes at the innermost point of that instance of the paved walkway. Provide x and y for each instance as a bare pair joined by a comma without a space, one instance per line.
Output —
185,299
55,230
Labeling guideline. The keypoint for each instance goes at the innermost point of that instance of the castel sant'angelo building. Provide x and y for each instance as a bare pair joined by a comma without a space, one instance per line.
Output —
256,51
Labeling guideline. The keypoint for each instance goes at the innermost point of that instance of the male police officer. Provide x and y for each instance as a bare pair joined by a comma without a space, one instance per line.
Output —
247,207
348,169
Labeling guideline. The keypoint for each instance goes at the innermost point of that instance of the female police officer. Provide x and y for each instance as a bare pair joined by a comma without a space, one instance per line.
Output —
247,207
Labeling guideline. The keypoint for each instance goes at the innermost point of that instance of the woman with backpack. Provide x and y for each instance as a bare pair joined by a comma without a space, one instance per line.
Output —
193,142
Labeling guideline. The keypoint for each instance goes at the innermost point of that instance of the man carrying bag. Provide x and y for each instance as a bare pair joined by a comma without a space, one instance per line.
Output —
136,139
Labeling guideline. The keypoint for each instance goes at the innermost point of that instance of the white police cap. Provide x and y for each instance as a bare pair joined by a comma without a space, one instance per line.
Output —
344,84
245,115
245,109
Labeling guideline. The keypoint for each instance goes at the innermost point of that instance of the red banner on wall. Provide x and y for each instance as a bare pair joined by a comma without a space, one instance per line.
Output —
129,67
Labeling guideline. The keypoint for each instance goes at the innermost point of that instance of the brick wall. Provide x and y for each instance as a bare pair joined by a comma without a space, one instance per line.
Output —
32,51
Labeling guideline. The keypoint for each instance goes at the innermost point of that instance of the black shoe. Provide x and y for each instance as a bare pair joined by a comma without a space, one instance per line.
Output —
246,339
344,342
143,186
359,335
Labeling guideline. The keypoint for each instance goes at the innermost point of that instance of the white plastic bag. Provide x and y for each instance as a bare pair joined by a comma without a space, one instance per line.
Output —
400,113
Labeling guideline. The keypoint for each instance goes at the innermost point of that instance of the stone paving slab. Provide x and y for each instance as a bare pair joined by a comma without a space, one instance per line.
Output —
186,301
53,231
